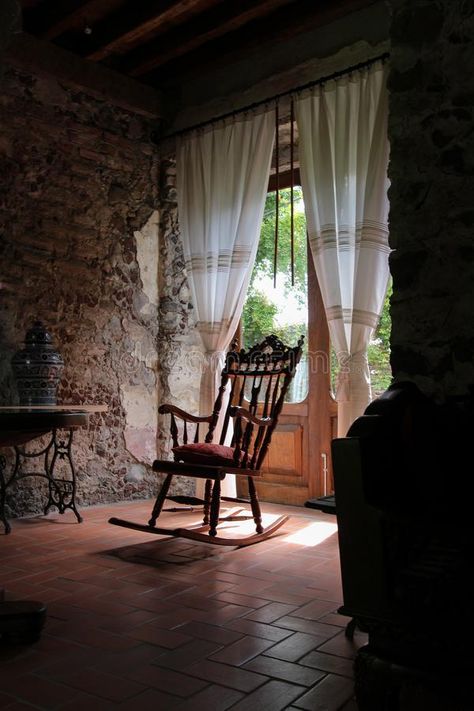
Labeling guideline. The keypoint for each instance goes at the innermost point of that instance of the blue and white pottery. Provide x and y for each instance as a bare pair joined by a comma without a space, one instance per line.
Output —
37,368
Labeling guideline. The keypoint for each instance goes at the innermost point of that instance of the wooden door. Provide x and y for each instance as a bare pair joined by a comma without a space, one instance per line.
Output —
298,464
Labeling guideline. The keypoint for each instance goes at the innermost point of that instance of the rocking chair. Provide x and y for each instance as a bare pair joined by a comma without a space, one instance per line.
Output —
259,379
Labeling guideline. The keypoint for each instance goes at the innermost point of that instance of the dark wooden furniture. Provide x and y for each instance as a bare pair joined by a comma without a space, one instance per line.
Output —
258,380
406,546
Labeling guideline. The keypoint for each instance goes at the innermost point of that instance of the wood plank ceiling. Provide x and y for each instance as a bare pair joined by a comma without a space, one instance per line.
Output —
163,42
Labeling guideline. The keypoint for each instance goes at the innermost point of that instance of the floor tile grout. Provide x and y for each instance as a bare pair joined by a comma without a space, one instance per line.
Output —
153,612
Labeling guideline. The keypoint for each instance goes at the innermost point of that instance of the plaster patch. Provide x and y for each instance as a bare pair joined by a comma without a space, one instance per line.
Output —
147,258
136,473
141,416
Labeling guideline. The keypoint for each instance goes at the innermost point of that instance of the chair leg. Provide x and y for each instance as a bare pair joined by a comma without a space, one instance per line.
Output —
215,506
207,501
160,500
257,514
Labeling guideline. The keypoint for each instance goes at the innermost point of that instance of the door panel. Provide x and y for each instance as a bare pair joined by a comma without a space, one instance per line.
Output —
284,478
286,453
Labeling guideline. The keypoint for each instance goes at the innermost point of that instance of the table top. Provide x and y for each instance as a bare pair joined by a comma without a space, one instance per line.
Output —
19,425
40,420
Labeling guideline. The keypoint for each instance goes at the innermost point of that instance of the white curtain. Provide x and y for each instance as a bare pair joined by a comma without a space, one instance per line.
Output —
222,179
343,150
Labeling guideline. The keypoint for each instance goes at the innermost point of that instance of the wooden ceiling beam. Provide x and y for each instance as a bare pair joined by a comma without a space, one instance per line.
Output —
131,25
225,18
235,46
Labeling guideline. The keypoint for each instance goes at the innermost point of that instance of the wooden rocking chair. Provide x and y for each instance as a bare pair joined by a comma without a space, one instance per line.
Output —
259,379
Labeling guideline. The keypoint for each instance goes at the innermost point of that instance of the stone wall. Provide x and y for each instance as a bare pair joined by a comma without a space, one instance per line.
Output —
179,345
431,196
79,250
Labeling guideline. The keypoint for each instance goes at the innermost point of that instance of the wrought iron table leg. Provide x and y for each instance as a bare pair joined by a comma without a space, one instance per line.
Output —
62,492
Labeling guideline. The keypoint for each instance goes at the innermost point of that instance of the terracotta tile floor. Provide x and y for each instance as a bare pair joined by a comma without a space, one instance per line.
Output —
140,622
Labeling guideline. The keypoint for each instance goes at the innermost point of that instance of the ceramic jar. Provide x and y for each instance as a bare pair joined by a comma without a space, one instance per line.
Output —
37,368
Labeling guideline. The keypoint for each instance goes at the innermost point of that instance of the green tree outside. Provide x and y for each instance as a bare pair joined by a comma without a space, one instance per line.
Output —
379,350
260,313
284,315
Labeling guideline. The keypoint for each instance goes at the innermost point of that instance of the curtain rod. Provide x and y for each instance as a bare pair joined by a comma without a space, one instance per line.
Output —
276,97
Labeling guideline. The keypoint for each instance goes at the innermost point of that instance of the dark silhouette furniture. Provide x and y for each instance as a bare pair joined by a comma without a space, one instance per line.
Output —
254,383
404,490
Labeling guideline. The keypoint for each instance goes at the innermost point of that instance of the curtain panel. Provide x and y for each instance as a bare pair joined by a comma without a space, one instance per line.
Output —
344,153
222,179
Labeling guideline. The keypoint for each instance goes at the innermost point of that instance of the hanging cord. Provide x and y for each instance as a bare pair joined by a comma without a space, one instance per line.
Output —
277,194
292,192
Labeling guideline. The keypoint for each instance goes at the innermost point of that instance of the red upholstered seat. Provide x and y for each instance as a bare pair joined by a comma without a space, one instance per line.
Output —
206,453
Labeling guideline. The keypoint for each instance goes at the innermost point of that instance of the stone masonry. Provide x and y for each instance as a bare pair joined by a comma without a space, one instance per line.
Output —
180,349
79,250
431,195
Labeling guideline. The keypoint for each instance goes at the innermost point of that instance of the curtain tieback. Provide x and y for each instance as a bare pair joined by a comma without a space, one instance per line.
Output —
214,356
213,361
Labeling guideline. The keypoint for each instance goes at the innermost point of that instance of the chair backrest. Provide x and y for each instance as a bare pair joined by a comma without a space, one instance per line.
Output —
259,380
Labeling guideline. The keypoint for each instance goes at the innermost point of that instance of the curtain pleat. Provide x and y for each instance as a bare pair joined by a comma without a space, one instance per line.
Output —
222,179
343,149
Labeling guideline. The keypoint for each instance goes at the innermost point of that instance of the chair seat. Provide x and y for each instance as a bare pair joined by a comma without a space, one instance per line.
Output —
202,471
214,455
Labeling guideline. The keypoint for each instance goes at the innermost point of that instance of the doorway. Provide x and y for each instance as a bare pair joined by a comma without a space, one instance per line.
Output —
298,465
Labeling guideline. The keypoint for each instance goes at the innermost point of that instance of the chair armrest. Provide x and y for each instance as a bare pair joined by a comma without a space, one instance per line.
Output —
247,415
182,414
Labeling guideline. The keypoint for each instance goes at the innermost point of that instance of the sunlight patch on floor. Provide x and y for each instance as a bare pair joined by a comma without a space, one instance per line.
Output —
313,534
